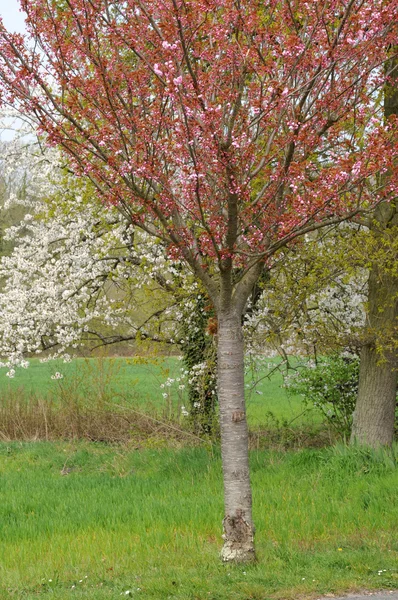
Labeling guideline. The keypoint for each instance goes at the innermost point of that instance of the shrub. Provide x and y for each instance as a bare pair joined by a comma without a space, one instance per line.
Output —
331,387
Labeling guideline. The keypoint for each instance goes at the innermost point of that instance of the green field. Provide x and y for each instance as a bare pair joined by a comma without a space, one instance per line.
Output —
142,518
137,382
138,379
148,522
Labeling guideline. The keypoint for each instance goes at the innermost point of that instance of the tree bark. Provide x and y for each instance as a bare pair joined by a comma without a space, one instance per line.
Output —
374,415
238,524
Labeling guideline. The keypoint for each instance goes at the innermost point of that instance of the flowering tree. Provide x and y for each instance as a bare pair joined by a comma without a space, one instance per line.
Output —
76,274
80,274
225,128
314,300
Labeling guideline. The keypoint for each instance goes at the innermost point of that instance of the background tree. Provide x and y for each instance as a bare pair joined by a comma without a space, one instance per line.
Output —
374,415
93,282
78,275
316,307
176,111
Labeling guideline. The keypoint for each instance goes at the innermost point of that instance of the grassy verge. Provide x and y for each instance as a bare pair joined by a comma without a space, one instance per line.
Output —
82,520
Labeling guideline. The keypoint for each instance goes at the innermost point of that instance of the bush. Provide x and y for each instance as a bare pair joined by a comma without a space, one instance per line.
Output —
331,387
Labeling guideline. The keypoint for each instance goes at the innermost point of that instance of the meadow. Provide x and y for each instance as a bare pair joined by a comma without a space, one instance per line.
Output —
147,523
95,520
142,384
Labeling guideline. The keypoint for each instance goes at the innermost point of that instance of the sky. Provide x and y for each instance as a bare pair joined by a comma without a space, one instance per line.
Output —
13,19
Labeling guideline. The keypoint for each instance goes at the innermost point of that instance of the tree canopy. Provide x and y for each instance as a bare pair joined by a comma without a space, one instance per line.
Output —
226,128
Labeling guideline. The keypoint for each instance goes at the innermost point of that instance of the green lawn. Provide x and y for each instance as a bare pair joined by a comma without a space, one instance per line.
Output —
148,522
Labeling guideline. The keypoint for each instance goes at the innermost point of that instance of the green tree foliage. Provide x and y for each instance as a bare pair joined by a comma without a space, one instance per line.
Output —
331,387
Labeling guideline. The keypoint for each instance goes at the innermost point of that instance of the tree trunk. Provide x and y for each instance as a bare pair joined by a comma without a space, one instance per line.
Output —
373,421
374,415
238,523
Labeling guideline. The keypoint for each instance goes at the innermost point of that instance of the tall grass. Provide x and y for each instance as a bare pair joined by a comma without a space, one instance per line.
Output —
113,399
94,521
88,399
92,418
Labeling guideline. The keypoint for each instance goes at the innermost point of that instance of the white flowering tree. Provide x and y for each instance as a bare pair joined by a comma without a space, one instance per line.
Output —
92,280
65,279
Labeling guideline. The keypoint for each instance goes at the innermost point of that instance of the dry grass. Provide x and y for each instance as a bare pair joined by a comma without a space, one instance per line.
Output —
34,418
112,401
72,418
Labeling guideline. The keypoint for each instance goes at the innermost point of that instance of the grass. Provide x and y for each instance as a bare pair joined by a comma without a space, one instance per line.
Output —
141,519
149,522
137,381
134,378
